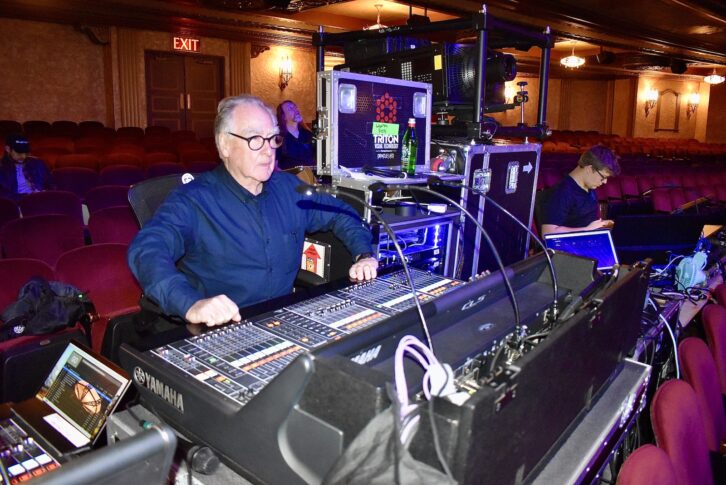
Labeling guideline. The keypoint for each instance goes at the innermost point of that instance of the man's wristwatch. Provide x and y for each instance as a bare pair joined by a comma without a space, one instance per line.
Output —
363,256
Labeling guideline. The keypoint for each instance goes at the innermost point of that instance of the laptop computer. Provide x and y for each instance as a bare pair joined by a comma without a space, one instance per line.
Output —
597,245
70,411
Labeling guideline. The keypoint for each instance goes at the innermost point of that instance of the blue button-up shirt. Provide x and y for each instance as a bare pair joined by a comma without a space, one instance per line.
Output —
213,237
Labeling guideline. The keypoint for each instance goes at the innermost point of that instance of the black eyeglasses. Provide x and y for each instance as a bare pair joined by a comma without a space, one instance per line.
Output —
603,178
257,142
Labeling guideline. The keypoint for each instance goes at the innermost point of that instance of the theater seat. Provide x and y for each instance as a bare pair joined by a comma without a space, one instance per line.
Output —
52,202
678,428
8,211
15,272
648,465
113,225
101,271
159,157
163,168
699,370
78,180
199,167
41,237
85,160
104,196
121,175
661,200
719,294
714,323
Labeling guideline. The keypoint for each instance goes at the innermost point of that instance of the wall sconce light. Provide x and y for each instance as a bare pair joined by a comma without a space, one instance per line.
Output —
651,97
285,72
692,106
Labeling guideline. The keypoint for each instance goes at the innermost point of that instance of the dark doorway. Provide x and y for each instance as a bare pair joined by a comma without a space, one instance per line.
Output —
182,91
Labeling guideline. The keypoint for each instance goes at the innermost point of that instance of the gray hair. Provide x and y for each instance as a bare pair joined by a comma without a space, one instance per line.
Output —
223,121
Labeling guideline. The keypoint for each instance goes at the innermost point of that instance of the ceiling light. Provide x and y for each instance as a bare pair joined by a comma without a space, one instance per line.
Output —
572,61
378,25
714,78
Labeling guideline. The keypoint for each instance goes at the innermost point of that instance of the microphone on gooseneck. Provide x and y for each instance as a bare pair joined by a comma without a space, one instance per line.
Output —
308,190
507,283
436,181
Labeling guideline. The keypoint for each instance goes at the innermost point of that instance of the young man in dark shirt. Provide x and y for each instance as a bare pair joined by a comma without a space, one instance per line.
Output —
234,236
571,205
20,173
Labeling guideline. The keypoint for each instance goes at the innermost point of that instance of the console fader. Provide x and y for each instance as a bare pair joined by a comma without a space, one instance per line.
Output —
238,360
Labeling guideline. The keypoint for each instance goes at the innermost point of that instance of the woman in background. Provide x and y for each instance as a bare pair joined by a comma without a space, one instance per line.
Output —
298,148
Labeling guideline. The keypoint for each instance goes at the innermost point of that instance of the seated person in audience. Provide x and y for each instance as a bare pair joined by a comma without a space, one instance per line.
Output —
234,236
571,205
298,148
21,173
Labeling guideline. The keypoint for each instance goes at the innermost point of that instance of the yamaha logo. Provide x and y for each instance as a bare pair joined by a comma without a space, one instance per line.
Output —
159,388
139,376
187,177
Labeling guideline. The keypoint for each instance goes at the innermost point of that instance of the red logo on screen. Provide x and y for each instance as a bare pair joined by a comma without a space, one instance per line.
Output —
386,109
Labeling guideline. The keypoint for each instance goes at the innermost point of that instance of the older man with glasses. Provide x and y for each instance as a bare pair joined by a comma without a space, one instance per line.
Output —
234,236
571,205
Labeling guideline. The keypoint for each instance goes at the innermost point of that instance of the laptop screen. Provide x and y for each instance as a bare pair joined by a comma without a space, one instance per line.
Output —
83,391
597,245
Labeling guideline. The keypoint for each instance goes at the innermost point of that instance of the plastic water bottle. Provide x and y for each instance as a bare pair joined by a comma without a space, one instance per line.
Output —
409,148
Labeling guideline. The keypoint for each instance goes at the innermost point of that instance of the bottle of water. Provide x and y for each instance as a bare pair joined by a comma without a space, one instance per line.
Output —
409,148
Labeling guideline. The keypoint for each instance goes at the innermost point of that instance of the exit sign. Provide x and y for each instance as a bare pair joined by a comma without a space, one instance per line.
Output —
188,44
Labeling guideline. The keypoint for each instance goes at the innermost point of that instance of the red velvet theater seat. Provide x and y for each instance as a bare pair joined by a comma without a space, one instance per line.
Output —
714,322
113,225
699,370
648,465
41,237
101,271
678,428
52,202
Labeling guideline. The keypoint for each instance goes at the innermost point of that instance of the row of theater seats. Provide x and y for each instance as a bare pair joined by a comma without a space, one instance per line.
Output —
125,155
565,141
52,222
81,179
664,193
99,270
94,146
631,185
688,416
73,130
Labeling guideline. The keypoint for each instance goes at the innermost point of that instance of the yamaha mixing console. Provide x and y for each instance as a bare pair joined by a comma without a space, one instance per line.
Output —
279,396
238,360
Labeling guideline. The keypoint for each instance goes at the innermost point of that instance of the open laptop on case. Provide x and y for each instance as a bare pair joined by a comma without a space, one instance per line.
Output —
70,410
597,245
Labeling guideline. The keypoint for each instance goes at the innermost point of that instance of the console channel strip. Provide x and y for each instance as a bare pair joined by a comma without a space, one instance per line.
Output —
20,455
238,360
393,293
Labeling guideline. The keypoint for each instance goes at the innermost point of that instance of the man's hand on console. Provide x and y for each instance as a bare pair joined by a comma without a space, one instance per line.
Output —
364,269
213,311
